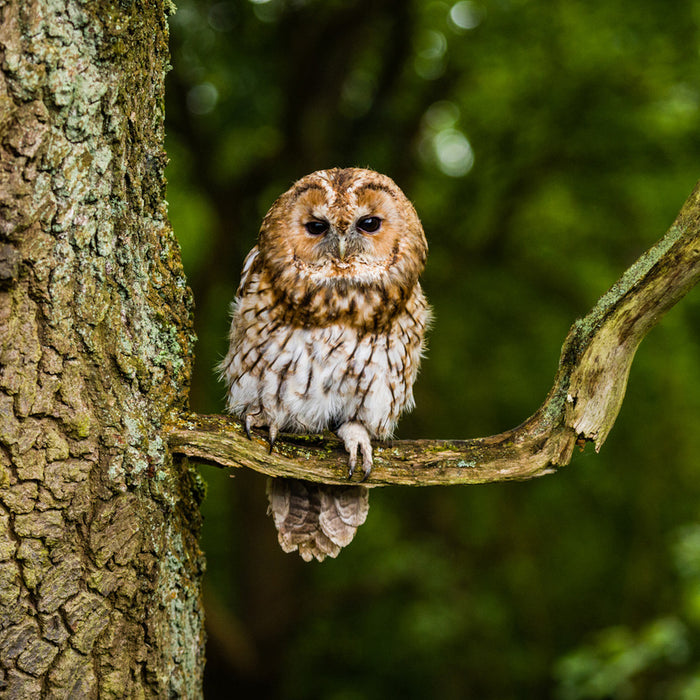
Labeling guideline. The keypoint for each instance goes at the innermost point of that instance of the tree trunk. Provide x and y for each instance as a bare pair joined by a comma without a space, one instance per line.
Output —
99,560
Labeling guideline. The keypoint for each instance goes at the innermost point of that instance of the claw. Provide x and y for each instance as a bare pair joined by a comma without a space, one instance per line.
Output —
355,435
272,437
366,460
248,426
352,458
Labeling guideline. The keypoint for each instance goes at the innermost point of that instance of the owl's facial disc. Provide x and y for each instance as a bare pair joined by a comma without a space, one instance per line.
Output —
352,224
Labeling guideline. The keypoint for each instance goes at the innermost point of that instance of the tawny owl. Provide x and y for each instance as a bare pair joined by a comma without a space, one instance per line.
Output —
327,333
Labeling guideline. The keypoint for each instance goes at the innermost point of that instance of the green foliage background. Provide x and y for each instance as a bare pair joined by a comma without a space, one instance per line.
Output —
545,145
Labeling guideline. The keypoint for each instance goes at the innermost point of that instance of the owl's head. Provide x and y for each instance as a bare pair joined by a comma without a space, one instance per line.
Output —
350,224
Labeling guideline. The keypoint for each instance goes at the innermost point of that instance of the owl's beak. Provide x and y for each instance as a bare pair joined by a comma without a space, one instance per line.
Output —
342,246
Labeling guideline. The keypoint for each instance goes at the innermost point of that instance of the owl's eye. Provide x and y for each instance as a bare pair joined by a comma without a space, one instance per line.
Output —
369,224
316,227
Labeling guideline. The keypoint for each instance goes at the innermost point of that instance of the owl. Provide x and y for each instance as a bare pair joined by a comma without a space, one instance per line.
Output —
328,331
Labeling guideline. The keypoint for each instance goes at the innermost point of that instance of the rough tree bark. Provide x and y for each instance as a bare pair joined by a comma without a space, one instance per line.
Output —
99,561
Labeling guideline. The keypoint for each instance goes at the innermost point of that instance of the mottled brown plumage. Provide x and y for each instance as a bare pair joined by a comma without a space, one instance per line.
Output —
327,333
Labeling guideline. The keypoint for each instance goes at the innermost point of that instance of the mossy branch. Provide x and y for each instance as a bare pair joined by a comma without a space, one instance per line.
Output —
581,406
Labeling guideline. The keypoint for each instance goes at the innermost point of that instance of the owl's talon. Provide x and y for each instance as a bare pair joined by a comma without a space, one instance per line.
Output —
355,435
366,448
352,460
248,426
272,437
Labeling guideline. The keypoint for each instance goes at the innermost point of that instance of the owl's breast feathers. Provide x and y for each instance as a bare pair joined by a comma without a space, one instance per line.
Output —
309,359
363,296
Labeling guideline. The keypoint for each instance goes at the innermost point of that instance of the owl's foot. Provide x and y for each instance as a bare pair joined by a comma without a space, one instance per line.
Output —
355,435
255,420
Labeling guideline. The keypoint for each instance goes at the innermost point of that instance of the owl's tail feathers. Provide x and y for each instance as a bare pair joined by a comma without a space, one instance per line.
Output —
317,520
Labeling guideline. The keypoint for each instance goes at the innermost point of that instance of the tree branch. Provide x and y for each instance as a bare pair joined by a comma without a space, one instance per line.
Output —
581,406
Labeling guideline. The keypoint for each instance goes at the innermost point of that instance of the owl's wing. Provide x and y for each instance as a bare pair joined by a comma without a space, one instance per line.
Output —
246,272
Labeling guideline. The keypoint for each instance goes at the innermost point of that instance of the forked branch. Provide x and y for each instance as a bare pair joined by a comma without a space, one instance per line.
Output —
581,406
